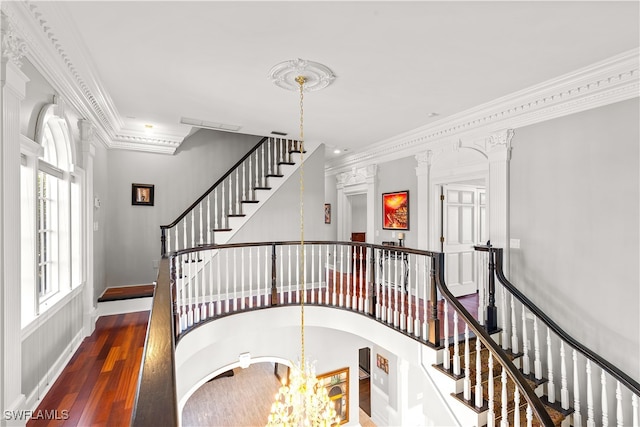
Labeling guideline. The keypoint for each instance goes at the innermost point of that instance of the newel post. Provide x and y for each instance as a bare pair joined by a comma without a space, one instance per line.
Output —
437,265
274,289
491,320
163,241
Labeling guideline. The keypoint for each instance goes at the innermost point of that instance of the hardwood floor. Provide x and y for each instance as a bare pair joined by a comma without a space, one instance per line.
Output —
98,386
127,292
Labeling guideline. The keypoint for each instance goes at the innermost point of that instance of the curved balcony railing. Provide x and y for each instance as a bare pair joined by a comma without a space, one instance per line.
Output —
393,285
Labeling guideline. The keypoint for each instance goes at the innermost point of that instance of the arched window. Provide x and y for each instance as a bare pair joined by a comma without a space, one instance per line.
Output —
52,214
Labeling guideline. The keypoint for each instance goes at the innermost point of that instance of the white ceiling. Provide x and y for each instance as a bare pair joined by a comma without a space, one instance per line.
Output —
395,62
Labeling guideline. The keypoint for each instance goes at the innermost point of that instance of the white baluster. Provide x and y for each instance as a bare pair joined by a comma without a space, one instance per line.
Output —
526,369
564,390
349,260
516,407
341,291
251,278
590,418
327,275
224,218
491,416
177,261
504,415
605,403
577,416
467,370
335,273
389,286
203,292
176,231
634,405
184,232
201,241
209,232
168,240
189,296
211,295
219,281
529,416
226,280
312,272
242,281
551,388
196,298
514,328
297,274
238,209
360,279
426,283
537,365
456,349
235,279
446,361
289,269
256,168
478,388
619,411
216,221
503,312
193,229
367,269
403,322
245,196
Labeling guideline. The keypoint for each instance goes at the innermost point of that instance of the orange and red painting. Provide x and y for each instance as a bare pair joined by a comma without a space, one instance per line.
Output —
395,210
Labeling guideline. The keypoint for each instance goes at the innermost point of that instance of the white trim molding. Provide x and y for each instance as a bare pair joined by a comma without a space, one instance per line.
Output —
612,80
52,45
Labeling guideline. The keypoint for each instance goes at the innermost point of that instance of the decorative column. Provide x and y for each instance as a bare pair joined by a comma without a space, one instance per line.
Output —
423,173
87,131
12,92
499,153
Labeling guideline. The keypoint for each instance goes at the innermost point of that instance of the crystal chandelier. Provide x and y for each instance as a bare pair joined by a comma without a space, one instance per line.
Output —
302,402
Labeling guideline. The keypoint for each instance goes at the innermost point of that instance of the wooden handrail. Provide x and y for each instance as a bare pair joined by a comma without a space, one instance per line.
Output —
206,193
536,404
156,398
615,372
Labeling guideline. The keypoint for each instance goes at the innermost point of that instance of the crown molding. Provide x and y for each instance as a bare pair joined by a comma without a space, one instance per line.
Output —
54,49
606,82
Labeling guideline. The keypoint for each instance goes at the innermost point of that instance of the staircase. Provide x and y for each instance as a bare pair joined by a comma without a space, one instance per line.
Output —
229,203
527,371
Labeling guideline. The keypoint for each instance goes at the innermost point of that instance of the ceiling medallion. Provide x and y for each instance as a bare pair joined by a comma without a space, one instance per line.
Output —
317,76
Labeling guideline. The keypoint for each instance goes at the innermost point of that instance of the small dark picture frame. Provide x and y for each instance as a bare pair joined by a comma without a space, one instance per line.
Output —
327,213
142,194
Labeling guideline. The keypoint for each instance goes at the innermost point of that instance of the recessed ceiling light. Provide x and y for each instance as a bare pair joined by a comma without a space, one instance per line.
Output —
432,114
148,126
336,151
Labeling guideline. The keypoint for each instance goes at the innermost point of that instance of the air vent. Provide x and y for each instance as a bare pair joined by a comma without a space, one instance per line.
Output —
209,125
275,132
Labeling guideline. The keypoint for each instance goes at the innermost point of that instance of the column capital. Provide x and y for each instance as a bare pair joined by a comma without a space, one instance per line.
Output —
424,160
14,48
499,145
87,134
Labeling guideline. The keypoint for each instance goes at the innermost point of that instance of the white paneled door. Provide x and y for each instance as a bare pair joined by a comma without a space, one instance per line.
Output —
463,225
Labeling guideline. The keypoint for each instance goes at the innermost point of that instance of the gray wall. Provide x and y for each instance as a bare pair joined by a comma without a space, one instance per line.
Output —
398,175
574,206
133,232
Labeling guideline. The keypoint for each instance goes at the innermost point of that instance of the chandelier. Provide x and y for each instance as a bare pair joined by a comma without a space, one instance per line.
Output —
302,402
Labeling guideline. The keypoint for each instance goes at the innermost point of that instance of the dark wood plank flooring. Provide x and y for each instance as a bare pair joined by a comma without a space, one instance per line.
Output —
127,292
98,386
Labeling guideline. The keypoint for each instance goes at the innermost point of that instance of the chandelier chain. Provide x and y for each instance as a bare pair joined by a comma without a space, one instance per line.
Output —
301,80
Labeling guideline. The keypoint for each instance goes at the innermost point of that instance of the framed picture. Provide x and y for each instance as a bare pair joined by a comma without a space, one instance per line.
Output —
337,385
142,194
382,363
327,213
395,210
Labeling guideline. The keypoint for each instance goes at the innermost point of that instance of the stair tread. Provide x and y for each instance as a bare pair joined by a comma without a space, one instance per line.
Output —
250,201
274,175
235,215
262,188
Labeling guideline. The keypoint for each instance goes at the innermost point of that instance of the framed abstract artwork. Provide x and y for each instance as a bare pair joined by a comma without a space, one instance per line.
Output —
337,385
395,210
142,194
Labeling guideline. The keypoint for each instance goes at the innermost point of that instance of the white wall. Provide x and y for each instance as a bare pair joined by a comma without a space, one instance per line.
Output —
133,232
575,208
